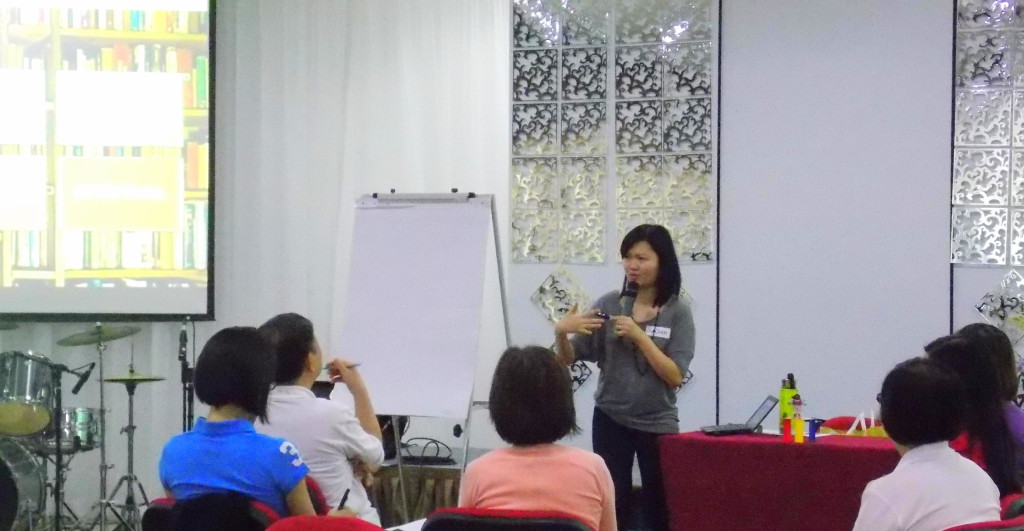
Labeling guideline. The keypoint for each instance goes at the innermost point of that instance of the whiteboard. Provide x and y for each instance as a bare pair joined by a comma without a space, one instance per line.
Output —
415,291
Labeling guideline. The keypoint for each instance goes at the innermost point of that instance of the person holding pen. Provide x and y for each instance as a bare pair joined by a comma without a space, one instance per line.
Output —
642,339
339,443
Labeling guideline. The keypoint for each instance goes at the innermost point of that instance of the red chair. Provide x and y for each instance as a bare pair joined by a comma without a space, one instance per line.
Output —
1017,524
322,523
228,510
1012,506
466,519
316,495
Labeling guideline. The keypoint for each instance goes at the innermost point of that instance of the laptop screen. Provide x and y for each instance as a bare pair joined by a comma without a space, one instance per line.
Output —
766,407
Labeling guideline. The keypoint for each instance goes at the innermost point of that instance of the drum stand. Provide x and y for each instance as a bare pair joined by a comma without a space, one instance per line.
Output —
101,517
69,520
98,336
129,516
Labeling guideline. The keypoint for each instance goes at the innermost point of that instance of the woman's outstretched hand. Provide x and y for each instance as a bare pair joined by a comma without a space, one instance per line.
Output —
579,323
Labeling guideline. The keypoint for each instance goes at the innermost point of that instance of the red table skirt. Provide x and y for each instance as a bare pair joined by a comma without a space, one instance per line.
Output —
759,482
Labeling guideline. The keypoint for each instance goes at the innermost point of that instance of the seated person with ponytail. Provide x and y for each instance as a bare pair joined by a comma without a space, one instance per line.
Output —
986,438
984,339
223,453
933,487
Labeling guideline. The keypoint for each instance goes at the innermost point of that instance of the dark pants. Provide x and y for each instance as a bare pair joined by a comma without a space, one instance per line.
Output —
617,445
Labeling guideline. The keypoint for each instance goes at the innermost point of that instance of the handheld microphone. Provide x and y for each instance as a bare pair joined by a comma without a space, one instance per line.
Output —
627,297
82,379
183,341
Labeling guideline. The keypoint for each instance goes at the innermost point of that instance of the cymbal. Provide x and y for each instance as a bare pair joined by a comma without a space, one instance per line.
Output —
7,325
99,335
133,377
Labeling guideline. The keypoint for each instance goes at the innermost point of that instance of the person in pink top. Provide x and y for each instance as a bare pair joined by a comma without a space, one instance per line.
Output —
531,407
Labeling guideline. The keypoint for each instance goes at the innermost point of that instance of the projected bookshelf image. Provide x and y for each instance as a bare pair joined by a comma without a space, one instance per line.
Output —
104,148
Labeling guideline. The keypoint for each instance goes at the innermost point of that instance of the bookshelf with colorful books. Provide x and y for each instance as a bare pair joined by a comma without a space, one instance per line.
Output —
93,49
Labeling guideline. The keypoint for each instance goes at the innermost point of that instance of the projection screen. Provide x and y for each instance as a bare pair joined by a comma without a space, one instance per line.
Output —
106,184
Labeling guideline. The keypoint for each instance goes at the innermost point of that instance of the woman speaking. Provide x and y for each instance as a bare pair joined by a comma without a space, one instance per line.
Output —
642,340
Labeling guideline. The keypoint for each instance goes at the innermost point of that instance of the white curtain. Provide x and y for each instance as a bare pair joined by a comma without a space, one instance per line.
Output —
317,102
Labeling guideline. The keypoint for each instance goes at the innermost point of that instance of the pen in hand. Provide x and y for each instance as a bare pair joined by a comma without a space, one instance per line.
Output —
350,366
344,498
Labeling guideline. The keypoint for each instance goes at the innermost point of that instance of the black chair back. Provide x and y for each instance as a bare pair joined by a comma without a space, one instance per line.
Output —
499,520
214,512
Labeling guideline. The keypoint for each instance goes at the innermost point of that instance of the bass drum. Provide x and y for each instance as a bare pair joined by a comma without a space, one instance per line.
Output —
21,487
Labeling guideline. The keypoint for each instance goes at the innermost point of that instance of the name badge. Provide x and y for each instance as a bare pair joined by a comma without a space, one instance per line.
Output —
662,332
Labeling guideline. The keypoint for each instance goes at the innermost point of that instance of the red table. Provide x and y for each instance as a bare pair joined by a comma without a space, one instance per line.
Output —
759,482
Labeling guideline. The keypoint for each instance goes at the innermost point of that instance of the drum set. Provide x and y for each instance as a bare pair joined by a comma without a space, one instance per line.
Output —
37,431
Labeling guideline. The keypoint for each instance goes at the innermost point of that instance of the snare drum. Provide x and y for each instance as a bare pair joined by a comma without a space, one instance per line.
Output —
21,487
82,423
25,393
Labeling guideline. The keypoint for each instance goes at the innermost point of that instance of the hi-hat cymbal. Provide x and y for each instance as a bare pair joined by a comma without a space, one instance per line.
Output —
133,377
99,334
7,325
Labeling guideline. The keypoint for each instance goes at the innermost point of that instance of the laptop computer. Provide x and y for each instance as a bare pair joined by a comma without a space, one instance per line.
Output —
755,420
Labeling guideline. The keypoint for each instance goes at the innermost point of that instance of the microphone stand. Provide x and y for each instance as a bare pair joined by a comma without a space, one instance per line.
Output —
187,391
58,487
57,371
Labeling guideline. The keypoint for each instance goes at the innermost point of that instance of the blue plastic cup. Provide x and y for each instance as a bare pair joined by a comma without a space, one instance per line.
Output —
812,428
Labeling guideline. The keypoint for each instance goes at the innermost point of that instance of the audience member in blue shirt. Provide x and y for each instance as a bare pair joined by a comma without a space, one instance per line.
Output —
223,452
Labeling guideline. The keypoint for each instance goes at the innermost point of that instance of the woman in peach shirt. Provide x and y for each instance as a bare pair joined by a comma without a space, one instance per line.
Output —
531,407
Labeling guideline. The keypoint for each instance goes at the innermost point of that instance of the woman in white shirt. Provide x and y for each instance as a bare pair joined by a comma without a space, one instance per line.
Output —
923,406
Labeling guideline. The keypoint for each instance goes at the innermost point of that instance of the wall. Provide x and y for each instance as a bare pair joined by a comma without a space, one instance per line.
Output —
835,196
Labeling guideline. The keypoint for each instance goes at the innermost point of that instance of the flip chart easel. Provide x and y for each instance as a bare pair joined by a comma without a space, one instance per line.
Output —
415,296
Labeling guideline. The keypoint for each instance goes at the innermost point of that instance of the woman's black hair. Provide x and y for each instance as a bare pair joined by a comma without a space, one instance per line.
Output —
669,280
236,367
291,337
531,397
986,422
986,340
922,402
